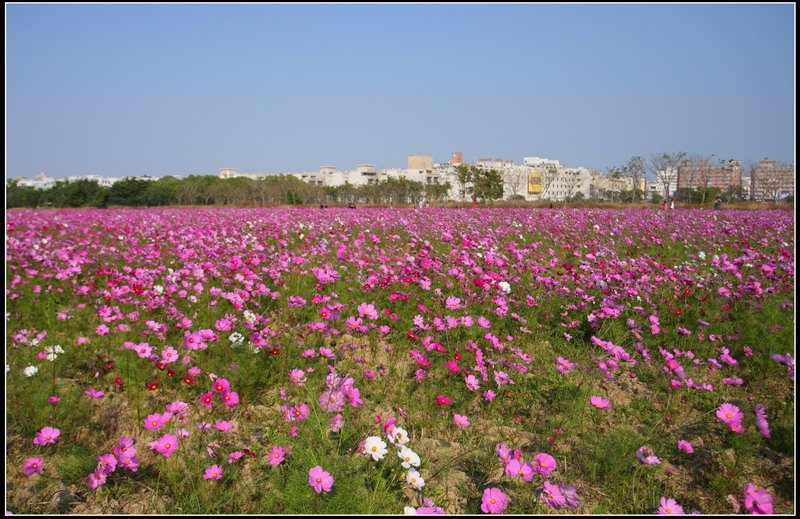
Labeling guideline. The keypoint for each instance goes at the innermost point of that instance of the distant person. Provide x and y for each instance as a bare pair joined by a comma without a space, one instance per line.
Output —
718,204
665,204
672,203
321,206
474,204
551,205
421,203
441,205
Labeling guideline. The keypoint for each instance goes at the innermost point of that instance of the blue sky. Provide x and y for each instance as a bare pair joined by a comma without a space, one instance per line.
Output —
121,90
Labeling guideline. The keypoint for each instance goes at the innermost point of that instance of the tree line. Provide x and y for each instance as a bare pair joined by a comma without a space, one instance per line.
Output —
211,190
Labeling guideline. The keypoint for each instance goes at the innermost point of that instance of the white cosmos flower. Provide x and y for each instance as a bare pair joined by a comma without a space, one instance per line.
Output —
504,286
415,479
30,371
158,289
375,447
398,436
409,510
51,357
409,458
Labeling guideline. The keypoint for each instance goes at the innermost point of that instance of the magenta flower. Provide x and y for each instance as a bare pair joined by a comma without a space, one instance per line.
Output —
154,421
443,400
319,479
461,421
494,501
757,502
106,463
223,426
234,456
729,413
670,506
166,445
276,455
489,395
230,399
46,435
544,464
761,420
207,399
221,385
647,456
94,393
551,496
685,446
96,479
213,472
33,465
600,403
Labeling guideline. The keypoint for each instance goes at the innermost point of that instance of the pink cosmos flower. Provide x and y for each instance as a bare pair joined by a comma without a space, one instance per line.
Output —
670,506
234,456
494,501
443,400
336,423
230,399
685,446
46,435
94,393
600,403
221,385
166,445
53,400
276,456
33,465
223,426
130,462
319,479
757,501
154,421
551,496
207,399
213,472
544,464
96,479
729,413
489,395
461,421
106,463
647,456
472,382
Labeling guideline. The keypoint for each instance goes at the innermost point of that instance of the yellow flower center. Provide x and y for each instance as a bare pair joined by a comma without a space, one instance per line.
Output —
153,423
728,415
668,510
319,480
492,501
374,448
167,446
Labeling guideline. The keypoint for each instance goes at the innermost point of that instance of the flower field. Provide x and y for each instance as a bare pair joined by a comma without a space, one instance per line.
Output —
399,360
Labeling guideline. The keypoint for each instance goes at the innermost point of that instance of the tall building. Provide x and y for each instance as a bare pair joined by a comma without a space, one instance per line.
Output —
771,182
457,158
703,174
420,162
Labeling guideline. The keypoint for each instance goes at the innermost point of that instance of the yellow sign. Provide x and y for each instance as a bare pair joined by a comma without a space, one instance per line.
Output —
534,183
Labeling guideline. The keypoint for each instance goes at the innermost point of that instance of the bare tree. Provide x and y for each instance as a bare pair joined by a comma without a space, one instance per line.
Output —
572,182
635,170
664,167
549,174
515,179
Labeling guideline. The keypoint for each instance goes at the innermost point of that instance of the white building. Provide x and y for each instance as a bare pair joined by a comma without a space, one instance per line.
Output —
40,181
